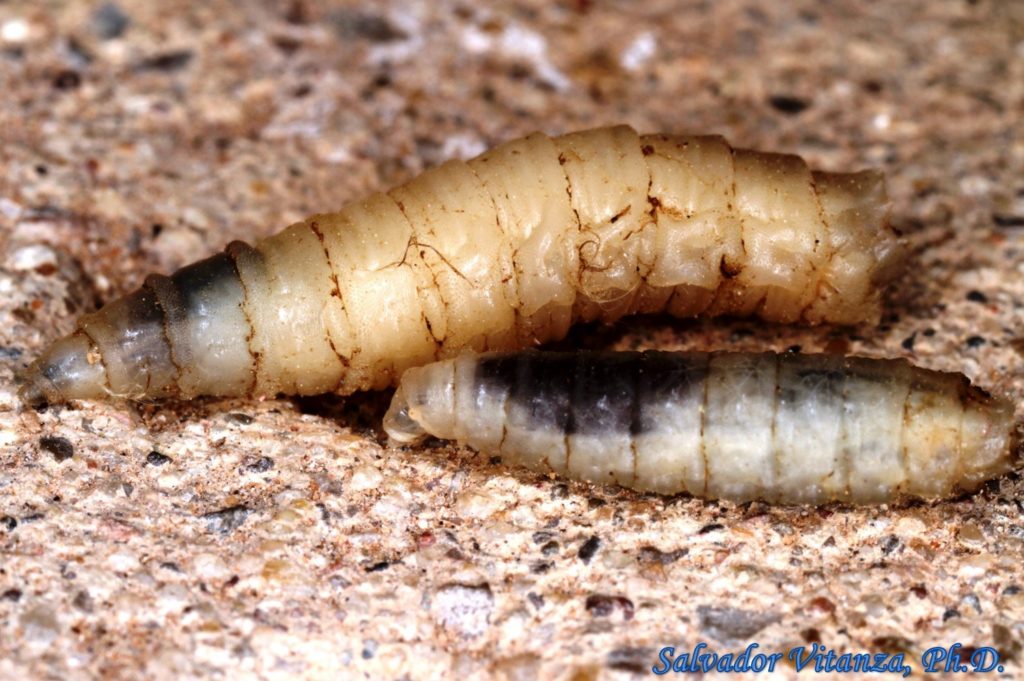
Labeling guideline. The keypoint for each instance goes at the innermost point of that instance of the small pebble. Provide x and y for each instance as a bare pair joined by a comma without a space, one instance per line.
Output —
226,519
588,549
157,459
464,609
109,21
60,447
977,297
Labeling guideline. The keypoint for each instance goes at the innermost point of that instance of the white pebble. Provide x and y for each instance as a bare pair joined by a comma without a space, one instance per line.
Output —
14,30
464,609
365,478
210,566
122,562
31,257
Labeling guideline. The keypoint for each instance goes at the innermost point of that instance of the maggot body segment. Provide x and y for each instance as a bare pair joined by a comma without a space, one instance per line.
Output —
504,251
784,428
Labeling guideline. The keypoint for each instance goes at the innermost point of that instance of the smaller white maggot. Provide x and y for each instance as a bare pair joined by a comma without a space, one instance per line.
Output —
784,428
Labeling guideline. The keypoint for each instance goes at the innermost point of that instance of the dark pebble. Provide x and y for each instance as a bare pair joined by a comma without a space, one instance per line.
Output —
890,544
542,537
950,614
260,465
226,519
167,61
369,648
794,349
379,567
975,342
358,23
549,548
60,447
788,104
13,595
635,660
596,502
157,459
240,419
977,297
8,523
588,549
535,600
541,567
650,554
729,624
109,21
1006,220
929,332
711,527
600,605
67,80
908,342
83,601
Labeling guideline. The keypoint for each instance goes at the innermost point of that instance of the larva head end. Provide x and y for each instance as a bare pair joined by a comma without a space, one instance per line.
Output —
69,369
32,395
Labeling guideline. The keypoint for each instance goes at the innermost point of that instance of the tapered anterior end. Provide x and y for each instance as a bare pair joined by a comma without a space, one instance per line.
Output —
69,369
400,426
32,394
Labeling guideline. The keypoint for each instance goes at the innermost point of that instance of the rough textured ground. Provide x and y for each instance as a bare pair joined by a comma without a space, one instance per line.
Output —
281,539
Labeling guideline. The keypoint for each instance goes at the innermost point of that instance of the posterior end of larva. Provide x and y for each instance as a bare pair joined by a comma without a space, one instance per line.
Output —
69,369
401,427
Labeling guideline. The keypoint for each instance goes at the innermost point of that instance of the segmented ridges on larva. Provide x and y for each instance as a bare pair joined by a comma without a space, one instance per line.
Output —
783,428
499,252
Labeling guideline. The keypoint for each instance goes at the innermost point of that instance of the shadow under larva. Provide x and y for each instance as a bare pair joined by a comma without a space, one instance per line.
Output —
503,251
784,428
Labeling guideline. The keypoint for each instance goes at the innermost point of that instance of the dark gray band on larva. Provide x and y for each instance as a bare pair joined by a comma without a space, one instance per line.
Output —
245,257
667,378
175,323
129,335
214,278
593,392
603,393
541,388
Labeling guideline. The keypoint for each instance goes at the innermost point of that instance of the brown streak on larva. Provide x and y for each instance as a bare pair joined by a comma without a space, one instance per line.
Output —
579,223
828,244
904,467
345,361
618,216
962,394
439,254
438,342
232,253
501,230
178,370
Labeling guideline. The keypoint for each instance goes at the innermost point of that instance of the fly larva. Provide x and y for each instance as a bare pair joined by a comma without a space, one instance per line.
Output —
800,429
500,252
